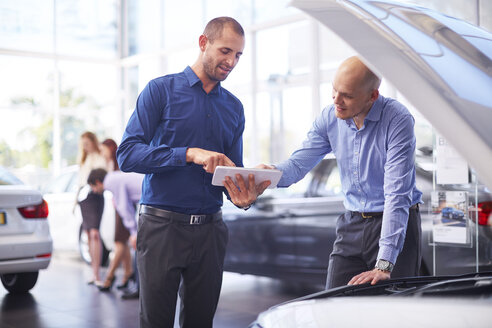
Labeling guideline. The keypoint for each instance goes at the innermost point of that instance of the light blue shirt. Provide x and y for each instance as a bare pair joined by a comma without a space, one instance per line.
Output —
376,164
127,190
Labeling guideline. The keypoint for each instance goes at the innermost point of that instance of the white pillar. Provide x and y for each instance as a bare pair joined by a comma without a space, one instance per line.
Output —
314,74
56,104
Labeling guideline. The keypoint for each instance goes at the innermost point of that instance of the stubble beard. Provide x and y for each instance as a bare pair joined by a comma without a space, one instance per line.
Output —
210,70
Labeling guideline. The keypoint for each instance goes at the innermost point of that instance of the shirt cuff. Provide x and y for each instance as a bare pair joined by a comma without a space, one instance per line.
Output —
387,253
284,179
180,156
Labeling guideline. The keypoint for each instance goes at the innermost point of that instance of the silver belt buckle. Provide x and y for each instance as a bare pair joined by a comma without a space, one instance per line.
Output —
196,219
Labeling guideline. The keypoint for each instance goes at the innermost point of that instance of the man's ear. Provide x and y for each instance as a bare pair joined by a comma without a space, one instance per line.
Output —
202,42
374,95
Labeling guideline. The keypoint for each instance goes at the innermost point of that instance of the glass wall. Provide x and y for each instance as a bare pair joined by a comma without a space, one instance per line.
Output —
27,25
59,62
75,65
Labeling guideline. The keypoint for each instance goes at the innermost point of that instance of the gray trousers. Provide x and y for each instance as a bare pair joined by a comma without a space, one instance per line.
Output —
356,248
173,256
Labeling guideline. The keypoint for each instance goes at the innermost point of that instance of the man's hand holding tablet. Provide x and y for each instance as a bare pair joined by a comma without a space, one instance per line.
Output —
244,190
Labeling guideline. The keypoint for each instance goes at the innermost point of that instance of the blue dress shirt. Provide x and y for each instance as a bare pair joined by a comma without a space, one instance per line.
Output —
174,113
376,164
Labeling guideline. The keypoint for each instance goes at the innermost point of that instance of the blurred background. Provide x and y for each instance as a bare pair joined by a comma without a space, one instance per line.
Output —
68,66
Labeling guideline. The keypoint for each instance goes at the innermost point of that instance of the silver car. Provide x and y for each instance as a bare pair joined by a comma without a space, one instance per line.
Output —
25,240
67,232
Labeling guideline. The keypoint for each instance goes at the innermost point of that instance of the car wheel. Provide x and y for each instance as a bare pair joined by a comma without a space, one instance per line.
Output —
84,249
19,282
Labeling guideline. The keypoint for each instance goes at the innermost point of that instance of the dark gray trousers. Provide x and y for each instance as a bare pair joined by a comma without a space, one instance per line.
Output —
172,256
356,248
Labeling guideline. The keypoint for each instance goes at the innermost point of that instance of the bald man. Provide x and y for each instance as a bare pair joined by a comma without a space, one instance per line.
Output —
373,139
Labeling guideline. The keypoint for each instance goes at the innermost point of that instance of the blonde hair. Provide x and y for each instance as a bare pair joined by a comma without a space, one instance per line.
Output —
82,152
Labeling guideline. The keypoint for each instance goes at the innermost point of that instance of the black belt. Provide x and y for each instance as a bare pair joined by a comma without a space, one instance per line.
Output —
192,219
369,215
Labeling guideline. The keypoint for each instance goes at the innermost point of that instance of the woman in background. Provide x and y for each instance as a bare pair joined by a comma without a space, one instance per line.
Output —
121,234
91,204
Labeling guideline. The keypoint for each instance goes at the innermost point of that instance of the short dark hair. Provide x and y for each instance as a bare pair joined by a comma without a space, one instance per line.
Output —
96,175
214,28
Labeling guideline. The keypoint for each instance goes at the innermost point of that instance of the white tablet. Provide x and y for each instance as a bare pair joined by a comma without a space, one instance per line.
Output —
260,175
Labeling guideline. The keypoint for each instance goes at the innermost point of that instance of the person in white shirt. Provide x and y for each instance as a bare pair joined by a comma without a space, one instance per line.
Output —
91,204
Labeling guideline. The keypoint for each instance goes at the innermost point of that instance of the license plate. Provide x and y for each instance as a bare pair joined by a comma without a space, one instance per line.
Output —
3,218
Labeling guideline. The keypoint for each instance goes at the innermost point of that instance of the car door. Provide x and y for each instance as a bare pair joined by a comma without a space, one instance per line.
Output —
316,221
260,239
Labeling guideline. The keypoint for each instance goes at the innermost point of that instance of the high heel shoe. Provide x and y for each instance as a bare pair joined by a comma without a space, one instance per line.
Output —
124,285
108,283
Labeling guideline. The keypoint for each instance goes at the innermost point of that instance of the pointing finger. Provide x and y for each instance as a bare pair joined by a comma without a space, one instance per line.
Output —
227,162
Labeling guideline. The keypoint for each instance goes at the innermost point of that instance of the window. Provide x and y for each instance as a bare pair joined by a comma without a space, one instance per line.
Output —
27,25
87,28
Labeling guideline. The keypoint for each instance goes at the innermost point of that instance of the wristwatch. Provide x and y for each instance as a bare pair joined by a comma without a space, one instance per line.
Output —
384,265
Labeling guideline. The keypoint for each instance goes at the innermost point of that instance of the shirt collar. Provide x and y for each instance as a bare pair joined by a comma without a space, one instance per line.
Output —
193,79
376,109
374,113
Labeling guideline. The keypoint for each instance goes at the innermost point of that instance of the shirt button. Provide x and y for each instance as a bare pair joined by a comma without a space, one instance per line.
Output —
355,172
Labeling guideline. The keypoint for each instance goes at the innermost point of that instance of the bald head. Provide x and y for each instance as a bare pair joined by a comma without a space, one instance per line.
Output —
355,89
356,71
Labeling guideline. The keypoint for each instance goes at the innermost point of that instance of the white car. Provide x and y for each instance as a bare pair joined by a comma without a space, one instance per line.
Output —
66,219
439,302
25,240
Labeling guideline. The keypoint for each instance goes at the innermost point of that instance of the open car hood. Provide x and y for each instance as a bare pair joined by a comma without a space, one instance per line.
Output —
465,299
442,65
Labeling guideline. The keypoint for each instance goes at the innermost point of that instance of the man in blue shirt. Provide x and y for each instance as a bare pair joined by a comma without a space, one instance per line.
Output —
183,126
373,140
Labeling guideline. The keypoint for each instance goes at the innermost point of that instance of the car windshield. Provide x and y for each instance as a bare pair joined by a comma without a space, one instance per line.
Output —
64,183
7,178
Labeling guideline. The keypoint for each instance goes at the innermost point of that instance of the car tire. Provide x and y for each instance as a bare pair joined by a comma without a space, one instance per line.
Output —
84,249
18,283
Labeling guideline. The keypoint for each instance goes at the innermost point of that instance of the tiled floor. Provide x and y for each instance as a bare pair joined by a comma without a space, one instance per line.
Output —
61,298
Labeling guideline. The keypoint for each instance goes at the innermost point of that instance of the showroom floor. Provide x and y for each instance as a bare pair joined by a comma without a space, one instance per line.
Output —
61,298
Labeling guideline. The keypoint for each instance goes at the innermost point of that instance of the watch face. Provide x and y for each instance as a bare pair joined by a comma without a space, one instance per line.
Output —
383,265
